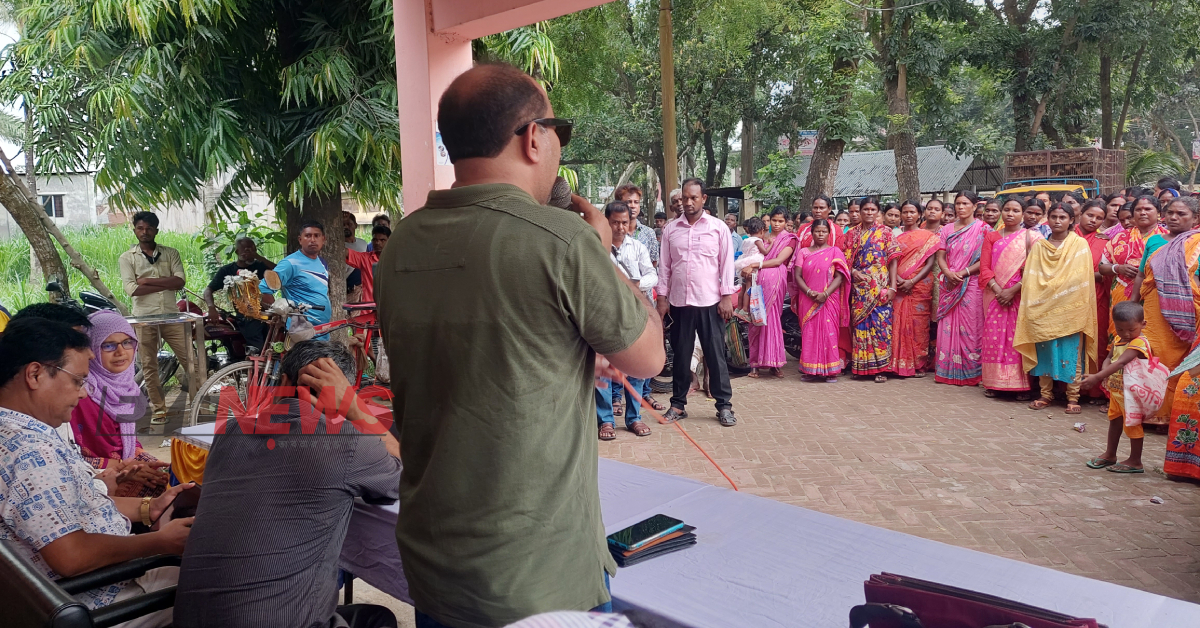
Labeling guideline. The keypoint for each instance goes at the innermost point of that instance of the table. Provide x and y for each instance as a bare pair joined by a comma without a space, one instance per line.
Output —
196,355
763,563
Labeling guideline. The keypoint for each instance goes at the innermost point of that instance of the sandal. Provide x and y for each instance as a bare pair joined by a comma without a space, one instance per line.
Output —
777,373
1040,404
1100,463
654,403
989,393
830,380
753,374
881,379
607,432
1124,468
917,375
1074,408
618,409
1024,396
159,418
638,428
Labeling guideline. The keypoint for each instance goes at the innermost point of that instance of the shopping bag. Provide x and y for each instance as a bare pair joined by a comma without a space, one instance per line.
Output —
733,342
1145,389
758,305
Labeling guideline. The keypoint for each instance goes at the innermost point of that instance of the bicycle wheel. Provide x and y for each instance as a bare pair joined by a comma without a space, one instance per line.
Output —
208,398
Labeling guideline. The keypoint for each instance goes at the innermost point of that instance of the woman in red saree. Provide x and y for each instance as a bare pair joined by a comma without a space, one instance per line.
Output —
821,207
1123,255
914,294
822,303
1091,220
766,341
1000,269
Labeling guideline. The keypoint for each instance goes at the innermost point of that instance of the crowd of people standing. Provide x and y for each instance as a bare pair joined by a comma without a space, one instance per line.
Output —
1019,295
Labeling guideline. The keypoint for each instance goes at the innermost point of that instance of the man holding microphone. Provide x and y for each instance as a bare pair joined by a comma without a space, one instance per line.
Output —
494,308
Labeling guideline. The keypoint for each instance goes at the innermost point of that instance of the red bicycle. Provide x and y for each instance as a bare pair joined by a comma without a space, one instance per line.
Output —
249,386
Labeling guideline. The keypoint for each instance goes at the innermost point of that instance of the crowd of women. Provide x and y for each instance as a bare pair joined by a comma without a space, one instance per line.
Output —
1013,295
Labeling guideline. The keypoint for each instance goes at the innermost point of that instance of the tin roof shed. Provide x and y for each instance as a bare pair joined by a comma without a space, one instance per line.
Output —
874,173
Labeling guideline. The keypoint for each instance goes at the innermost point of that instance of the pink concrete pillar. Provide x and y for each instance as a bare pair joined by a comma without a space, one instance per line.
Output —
426,63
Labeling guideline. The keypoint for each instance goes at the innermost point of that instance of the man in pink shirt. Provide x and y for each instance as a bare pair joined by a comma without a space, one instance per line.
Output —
695,286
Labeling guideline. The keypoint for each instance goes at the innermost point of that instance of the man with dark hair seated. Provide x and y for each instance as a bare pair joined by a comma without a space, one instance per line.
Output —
276,506
51,512
55,312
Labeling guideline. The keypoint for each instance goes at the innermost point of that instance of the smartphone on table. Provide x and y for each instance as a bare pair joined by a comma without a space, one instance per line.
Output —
643,532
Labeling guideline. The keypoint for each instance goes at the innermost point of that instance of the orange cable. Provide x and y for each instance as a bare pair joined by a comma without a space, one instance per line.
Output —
661,419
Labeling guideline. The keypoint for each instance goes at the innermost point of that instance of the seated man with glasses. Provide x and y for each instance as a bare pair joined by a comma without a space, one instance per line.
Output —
51,512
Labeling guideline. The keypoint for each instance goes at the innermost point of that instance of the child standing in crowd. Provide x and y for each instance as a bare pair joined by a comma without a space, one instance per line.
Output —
1131,345
752,253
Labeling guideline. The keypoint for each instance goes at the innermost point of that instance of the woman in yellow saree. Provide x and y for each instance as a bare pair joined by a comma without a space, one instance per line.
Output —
1056,324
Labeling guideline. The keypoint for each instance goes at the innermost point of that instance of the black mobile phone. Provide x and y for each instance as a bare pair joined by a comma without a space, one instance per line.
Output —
645,531
184,504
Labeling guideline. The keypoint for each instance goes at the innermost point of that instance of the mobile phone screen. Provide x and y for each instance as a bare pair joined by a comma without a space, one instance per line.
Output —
184,504
643,532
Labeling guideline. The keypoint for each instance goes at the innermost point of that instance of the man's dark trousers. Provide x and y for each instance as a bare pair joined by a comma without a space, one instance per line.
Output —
687,323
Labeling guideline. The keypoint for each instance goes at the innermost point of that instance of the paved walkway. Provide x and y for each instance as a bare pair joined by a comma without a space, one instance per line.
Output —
947,464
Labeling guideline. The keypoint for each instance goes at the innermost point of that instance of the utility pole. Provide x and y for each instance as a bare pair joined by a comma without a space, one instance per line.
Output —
666,55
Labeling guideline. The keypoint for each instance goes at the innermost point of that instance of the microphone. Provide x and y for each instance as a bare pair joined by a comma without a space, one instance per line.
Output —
560,194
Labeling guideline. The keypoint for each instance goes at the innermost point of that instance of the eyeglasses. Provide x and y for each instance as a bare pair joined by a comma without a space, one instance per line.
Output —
562,128
128,344
81,382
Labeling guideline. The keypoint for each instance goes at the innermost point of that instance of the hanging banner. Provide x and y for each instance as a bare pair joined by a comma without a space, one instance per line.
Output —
806,143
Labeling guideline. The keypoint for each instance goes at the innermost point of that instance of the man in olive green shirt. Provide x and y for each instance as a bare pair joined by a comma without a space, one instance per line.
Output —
495,307
151,274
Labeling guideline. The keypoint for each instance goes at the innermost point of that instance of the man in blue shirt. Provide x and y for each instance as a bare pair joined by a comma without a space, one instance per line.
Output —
303,274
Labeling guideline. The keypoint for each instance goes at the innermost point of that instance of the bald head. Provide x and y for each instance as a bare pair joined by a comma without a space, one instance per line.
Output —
479,113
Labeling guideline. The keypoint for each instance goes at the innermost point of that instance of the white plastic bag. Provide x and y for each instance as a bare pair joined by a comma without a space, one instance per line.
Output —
758,306
1145,384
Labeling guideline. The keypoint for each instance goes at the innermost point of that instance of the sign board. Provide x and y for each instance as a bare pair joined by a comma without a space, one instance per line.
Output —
439,149
784,142
1196,148
806,143
606,191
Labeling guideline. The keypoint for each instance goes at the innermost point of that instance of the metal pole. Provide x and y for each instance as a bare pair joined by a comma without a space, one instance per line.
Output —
666,55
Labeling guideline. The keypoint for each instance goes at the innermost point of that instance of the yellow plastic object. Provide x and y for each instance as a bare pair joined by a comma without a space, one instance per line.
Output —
187,461
1048,187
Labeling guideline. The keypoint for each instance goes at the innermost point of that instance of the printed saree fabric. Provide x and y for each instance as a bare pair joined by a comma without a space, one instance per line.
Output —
960,308
869,251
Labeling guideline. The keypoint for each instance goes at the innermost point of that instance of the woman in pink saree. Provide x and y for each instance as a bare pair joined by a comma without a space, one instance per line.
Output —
1000,268
822,304
766,342
960,307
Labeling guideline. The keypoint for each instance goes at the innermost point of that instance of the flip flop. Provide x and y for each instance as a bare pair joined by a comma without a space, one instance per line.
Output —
1124,468
1100,463
1040,404
159,418
1074,408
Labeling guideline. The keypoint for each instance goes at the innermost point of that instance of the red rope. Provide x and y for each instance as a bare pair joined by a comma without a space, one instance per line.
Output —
629,390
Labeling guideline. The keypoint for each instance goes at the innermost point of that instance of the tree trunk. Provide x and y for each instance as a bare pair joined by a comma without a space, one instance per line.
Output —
650,197
626,174
724,159
291,223
748,138
822,170
1106,105
328,210
710,160
38,228
901,139
1129,87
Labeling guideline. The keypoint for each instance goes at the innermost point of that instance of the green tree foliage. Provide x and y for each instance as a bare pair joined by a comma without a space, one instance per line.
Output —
297,97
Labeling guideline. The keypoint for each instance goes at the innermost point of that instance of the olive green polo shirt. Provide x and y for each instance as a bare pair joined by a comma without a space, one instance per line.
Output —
492,309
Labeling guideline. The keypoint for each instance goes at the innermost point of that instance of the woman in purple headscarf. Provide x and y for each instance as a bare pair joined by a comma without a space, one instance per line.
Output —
105,422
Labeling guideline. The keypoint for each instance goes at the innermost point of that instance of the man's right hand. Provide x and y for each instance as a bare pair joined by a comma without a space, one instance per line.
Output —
663,307
174,534
594,217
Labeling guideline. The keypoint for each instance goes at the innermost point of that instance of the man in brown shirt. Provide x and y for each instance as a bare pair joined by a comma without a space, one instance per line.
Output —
494,308
151,274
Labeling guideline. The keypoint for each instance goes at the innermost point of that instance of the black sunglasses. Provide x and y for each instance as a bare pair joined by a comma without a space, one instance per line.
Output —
562,128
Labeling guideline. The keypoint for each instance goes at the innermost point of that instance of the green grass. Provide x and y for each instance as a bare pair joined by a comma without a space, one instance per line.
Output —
101,246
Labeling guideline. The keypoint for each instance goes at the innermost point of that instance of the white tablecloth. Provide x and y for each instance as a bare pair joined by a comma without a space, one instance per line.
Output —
763,563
